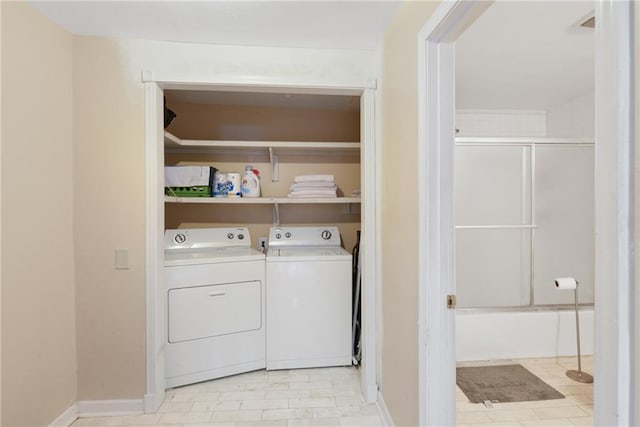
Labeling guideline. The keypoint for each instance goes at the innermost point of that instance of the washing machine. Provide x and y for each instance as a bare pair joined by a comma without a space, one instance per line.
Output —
215,304
308,298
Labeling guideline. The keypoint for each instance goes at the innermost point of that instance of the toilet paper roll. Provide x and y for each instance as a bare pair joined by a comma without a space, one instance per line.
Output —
235,180
566,283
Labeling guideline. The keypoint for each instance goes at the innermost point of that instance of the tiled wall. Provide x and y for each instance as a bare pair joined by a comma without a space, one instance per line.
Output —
573,118
501,123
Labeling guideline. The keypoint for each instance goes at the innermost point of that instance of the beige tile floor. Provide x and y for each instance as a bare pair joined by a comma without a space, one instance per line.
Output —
302,397
575,409
332,397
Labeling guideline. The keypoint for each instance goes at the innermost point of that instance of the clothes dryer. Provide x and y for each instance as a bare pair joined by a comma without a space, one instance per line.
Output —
308,298
215,307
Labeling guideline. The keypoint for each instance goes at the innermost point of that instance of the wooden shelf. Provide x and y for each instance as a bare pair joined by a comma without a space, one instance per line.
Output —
174,144
262,200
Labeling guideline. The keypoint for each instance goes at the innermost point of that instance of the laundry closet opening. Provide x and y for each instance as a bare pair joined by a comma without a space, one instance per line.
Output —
281,135
305,151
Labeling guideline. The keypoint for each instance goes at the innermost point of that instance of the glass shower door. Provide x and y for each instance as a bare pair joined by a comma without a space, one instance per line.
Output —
524,216
493,225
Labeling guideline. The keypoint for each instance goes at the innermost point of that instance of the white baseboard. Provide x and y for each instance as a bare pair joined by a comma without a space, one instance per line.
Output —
101,408
66,418
152,402
371,393
384,412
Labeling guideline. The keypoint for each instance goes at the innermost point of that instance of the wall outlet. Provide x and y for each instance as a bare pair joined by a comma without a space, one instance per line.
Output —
262,244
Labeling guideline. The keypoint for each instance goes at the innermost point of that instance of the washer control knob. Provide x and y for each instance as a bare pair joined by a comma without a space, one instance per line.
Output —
230,236
287,235
278,235
326,234
179,238
240,236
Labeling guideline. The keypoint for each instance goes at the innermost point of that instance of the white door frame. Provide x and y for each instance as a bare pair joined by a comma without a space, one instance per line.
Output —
615,305
154,148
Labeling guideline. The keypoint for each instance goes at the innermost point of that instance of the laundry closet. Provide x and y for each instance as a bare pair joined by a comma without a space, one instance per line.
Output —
218,295
281,135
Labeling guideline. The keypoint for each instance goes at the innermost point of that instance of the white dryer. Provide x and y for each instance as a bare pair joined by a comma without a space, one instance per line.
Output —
215,304
308,298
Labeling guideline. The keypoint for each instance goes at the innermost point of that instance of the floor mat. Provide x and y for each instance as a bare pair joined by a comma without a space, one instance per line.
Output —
503,383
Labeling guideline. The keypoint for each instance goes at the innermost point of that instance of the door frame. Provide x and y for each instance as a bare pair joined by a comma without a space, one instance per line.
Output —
155,83
615,170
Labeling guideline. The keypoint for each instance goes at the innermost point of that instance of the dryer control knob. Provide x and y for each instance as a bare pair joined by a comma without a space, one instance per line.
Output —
326,235
240,236
287,235
230,236
278,235
179,238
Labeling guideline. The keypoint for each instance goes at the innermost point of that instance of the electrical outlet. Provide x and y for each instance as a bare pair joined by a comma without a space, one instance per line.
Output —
262,244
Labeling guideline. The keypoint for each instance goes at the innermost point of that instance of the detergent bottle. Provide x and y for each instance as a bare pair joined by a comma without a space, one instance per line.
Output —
250,182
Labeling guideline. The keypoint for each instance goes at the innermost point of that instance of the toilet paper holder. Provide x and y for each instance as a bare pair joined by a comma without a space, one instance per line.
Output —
569,283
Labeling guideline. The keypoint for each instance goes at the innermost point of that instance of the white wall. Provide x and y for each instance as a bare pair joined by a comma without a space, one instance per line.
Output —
574,118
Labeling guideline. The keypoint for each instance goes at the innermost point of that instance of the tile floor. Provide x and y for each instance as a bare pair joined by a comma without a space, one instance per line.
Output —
332,397
575,409
302,397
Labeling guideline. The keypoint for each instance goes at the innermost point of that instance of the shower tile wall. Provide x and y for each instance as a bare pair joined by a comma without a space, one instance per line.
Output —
501,123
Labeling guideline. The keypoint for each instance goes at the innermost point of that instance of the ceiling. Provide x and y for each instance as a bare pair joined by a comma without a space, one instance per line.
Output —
308,24
517,55
525,55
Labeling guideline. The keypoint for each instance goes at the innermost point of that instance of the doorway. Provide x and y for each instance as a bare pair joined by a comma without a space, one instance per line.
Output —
614,218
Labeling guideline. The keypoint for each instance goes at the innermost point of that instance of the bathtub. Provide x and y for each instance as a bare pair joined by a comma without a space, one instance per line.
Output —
490,335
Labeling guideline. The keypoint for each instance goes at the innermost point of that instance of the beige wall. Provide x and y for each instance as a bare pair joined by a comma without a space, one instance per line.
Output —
228,122
109,167
109,207
399,381
38,319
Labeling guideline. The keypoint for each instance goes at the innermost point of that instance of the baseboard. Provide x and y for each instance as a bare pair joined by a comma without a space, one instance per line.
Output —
152,402
101,408
384,412
66,418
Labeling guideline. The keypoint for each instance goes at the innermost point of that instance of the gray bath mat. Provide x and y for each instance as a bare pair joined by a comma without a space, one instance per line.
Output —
503,383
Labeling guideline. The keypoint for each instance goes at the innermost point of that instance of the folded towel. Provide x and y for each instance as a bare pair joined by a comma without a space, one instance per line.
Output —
186,176
307,178
316,192
313,184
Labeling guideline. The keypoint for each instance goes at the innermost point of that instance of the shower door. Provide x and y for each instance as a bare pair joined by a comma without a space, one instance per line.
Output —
524,215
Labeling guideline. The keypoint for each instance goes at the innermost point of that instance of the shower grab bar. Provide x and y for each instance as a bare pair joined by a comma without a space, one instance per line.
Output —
521,227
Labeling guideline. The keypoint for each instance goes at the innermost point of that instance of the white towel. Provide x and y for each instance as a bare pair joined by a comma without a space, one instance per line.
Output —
319,177
312,184
186,176
316,192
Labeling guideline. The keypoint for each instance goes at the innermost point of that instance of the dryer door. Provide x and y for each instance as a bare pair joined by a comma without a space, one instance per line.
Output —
209,311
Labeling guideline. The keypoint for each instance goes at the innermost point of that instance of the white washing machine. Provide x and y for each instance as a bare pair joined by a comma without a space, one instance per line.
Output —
308,298
215,304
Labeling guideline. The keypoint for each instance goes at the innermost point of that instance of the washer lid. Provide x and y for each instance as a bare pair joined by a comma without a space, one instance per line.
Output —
210,256
307,254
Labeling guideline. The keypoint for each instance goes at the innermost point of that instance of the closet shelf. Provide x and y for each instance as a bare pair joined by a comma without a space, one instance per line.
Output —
174,144
262,200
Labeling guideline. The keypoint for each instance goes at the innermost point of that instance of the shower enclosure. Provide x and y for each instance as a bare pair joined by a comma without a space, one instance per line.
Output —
524,216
